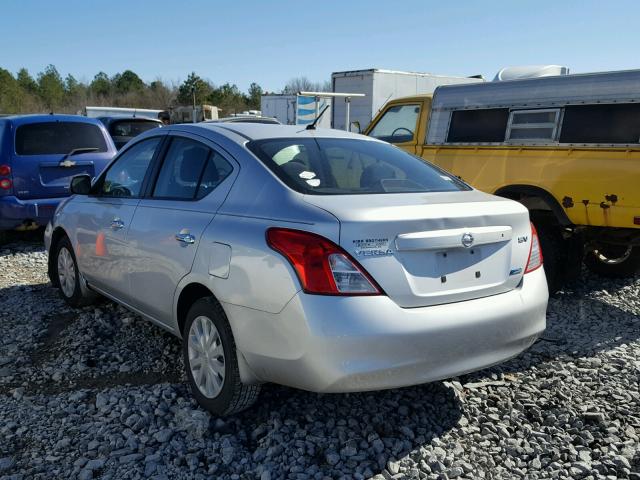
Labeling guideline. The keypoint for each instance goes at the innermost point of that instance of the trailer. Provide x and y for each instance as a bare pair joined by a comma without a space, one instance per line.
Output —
281,107
380,86
95,112
187,114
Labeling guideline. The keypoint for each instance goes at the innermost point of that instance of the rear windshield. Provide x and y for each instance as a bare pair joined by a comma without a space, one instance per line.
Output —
58,137
129,128
330,166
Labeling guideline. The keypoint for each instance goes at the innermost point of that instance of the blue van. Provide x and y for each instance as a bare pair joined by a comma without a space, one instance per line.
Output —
38,156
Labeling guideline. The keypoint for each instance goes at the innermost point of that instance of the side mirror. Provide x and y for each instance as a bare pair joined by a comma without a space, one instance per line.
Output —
355,127
80,184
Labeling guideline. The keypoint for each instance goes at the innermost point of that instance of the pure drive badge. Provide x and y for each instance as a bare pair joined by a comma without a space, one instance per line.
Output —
370,247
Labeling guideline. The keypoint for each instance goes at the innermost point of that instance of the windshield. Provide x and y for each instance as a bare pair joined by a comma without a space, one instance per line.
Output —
58,137
330,166
397,125
131,128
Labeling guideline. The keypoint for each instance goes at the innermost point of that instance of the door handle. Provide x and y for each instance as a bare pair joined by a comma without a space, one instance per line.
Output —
117,224
185,238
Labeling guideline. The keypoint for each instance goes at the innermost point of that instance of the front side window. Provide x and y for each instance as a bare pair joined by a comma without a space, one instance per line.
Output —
533,125
331,166
190,171
125,176
48,138
397,124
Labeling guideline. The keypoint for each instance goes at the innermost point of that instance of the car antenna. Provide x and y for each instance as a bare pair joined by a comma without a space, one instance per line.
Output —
312,125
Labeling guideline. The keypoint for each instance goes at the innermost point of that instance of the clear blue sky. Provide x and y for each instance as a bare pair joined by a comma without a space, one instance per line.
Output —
271,41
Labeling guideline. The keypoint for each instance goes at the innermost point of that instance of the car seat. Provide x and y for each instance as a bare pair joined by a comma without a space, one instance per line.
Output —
373,175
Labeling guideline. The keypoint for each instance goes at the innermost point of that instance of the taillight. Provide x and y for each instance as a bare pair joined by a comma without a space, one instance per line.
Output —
535,253
5,184
323,268
5,170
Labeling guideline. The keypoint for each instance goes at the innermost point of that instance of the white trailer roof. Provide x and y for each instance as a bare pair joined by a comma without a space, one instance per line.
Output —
393,72
606,87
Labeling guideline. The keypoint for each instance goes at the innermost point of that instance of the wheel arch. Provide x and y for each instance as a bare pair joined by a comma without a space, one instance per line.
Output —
531,197
188,295
193,291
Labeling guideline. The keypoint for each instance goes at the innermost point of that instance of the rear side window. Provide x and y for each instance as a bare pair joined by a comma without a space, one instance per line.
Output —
190,171
601,124
49,138
486,125
336,166
533,125
397,125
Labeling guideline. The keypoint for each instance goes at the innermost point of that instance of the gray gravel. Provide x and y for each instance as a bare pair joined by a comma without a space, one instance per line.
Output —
99,393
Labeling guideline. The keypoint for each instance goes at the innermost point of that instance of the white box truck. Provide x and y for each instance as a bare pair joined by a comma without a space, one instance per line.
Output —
296,109
380,86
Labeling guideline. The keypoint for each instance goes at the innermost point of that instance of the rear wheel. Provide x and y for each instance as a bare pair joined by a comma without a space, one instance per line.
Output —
68,277
554,252
211,362
614,261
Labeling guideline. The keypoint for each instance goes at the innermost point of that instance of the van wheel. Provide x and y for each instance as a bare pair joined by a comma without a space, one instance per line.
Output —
68,277
613,261
211,363
554,252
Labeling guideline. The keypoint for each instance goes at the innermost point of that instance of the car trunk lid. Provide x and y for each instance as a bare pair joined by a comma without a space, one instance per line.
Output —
433,248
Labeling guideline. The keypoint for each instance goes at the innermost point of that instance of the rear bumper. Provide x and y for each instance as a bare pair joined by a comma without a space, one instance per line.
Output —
345,344
15,212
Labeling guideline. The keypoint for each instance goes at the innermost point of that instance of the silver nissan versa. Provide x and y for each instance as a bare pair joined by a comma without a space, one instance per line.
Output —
317,259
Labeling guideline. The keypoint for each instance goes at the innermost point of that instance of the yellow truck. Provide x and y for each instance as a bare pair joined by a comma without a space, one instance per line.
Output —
567,147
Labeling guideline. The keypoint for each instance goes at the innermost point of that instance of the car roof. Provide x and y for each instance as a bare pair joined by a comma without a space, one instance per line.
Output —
38,118
245,118
141,118
261,131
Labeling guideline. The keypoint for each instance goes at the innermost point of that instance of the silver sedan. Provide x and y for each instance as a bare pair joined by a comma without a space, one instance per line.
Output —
317,259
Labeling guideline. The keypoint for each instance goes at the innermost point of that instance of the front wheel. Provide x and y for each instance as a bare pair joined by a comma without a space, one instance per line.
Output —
211,362
613,261
67,276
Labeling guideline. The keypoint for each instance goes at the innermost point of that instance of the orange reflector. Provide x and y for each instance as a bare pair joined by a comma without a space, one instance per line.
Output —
101,248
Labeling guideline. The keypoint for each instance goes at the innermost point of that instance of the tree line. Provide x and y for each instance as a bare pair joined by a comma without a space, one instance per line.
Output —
48,91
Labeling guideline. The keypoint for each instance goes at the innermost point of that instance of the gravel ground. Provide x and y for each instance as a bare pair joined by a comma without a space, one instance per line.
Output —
99,393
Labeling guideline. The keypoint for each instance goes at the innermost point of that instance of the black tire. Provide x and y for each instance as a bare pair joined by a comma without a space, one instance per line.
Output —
554,253
76,297
234,396
608,261
4,237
